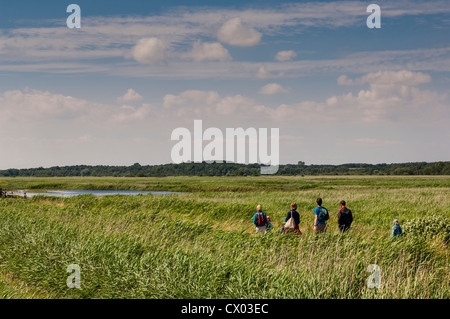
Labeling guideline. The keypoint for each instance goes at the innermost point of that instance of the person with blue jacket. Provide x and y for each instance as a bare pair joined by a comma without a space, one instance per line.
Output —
396,230
321,215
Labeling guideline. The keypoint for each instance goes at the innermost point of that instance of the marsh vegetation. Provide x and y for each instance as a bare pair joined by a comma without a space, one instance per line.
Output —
202,244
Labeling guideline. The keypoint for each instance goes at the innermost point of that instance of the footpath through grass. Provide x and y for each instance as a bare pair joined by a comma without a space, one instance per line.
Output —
203,245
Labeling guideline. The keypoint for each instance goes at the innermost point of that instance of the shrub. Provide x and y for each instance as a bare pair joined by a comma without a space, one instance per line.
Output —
429,227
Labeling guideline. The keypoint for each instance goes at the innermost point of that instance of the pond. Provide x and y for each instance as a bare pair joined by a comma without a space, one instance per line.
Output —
71,193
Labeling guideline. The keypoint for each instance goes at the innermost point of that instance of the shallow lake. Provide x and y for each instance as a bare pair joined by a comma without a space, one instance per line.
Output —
71,193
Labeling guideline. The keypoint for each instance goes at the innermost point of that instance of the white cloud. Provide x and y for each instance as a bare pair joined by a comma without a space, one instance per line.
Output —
39,105
272,88
130,96
195,96
285,55
262,72
27,109
402,77
129,113
209,105
44,128
150,50
429,60
40,127
399,101
392,95
49,49
208,51
236,105
234,32
344,80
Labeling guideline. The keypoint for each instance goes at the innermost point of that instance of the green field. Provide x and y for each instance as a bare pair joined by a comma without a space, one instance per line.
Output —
202,244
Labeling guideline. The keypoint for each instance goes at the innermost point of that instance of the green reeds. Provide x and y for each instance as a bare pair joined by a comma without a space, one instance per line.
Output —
203,244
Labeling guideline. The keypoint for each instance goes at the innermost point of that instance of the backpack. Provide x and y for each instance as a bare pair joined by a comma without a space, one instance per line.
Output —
323,214
397,230
260,219
344,216
290,225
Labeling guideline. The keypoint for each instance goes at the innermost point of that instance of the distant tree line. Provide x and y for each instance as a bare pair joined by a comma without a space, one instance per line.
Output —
232,169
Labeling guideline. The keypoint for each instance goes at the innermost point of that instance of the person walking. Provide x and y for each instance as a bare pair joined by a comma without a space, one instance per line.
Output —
293,225
396,230
260,220
345,217
321,215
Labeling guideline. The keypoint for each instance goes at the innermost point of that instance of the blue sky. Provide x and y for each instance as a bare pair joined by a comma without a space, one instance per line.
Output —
112,91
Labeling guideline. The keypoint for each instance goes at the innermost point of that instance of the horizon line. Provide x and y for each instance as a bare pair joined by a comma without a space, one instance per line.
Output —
224,162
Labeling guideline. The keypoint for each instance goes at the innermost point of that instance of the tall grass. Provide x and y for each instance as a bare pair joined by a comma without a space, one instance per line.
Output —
203,245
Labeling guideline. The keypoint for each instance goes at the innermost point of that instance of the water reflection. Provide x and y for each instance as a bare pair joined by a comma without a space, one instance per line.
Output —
71,193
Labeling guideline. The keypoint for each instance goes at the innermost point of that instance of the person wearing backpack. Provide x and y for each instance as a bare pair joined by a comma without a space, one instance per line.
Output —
260,220
321,215
396,229
292,225
345,217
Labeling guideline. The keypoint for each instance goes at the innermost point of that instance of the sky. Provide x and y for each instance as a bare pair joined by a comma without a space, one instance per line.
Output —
113,91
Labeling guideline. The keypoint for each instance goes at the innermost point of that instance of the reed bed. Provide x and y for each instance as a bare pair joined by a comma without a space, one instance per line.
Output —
203,245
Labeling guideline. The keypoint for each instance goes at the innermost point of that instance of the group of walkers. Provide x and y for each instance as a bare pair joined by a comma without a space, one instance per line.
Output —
321,216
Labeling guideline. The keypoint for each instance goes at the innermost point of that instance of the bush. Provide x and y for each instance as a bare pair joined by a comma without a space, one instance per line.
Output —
429,227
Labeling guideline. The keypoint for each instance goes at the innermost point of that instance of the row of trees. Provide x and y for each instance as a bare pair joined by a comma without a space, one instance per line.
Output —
232,169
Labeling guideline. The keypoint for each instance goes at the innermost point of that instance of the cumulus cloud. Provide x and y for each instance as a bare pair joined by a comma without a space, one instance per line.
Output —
150,50
285,55
272,88
208,51
392,95
25,109
234,105
68,128
42,105
128,113
44,128
344,80
400,101
397,101
208,104
234,32
129,97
